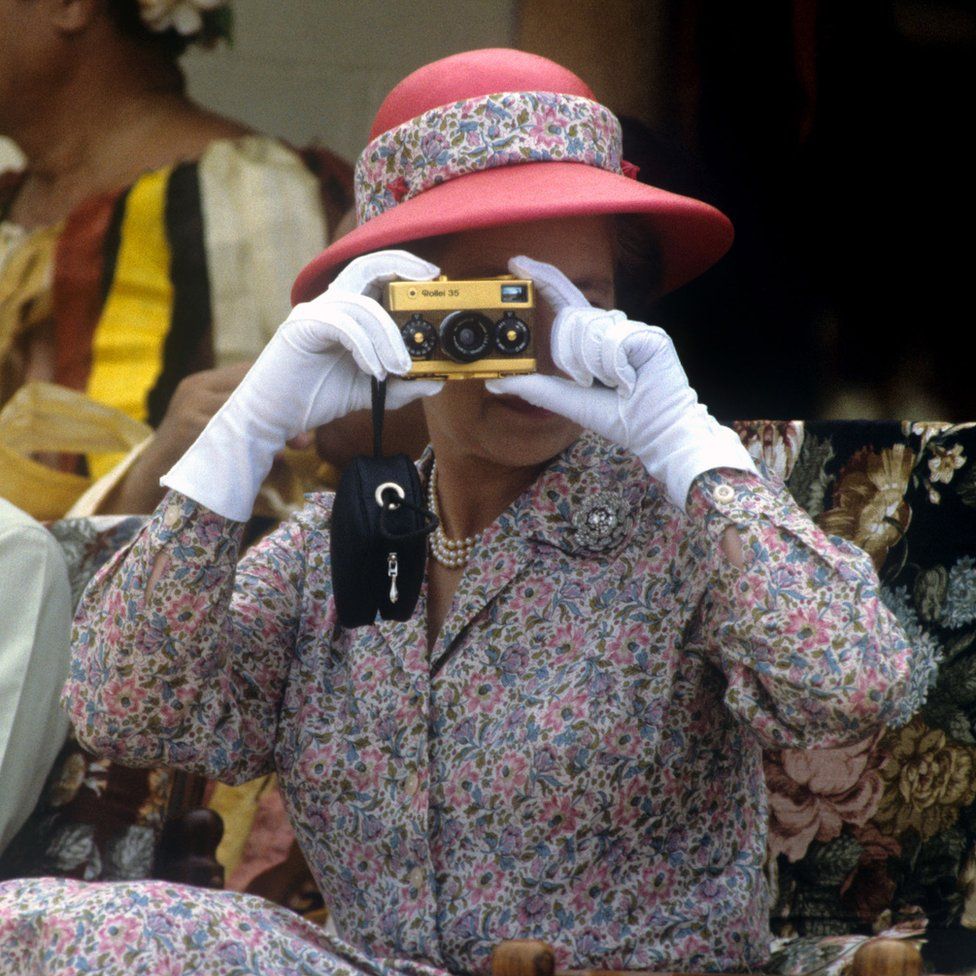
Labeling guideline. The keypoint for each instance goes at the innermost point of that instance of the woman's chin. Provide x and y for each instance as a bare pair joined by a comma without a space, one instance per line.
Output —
527,434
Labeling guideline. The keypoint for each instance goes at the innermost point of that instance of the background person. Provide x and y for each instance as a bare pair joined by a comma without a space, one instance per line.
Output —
147,239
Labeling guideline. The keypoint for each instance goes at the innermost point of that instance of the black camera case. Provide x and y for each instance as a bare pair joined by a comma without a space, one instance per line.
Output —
378,540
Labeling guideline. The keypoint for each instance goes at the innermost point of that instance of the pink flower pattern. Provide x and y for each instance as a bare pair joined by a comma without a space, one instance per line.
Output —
594,779
813,793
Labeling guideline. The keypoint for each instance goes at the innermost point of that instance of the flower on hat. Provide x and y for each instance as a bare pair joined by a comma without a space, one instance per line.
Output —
398,188
186,17
630,170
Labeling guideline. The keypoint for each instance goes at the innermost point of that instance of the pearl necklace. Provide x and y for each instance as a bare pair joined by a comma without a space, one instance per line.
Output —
450,553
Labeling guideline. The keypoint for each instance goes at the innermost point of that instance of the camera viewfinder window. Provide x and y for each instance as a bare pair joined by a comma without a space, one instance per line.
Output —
513,293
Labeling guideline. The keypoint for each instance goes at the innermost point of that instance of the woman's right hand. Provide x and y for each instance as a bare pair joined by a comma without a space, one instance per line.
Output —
316,369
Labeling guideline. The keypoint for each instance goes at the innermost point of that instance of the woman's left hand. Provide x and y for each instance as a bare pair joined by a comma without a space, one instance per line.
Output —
627,384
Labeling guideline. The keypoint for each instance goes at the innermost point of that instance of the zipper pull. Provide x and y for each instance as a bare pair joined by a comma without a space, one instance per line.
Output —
391,570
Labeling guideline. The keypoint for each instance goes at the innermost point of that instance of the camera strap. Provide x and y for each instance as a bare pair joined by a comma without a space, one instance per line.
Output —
380,524
389,498
378,394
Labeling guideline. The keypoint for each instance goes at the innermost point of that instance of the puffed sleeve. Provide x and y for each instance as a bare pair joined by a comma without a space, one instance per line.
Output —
192,675
811,655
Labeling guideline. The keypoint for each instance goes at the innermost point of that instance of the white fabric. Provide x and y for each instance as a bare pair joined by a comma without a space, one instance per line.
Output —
262,223
316,369
35,623
643,401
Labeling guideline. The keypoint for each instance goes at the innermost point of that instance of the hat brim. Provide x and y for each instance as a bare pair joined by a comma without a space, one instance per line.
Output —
691,235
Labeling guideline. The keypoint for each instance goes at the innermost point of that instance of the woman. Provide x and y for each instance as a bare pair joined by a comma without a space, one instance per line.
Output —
147,240
564,741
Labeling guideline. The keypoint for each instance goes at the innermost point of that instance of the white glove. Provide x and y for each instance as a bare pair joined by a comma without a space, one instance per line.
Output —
643,401
315,369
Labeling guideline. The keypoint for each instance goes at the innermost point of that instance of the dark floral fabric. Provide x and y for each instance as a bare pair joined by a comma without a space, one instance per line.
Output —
883,832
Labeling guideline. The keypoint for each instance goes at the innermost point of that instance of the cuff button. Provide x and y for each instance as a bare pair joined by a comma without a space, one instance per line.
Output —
724,494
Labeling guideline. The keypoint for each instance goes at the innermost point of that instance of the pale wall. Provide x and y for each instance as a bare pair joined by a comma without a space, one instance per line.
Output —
317,70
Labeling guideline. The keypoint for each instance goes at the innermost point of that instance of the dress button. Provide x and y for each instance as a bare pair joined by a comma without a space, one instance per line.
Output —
724,493
411,784
416,878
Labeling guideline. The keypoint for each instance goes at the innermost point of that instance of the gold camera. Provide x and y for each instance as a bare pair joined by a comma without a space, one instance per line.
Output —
456,330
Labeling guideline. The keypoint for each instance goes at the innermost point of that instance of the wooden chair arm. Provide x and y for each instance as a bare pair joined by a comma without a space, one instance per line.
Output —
187,850
887,957
523,957
528,957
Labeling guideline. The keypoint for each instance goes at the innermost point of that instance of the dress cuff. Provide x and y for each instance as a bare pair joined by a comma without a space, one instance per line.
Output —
725,495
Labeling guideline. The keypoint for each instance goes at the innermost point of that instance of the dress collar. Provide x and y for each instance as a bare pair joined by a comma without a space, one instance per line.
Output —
585,502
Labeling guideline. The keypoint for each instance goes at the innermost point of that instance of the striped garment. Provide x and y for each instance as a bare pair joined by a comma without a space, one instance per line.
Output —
189,267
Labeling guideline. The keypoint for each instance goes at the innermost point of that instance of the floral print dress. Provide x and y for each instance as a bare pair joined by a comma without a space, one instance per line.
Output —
576,759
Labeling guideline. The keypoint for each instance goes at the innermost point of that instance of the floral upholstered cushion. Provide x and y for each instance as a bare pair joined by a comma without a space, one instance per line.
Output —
883,832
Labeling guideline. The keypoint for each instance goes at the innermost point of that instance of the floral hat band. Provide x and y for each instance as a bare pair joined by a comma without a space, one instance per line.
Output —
482,133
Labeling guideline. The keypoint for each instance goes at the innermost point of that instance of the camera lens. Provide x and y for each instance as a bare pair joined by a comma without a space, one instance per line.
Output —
511,334
465,336
419,336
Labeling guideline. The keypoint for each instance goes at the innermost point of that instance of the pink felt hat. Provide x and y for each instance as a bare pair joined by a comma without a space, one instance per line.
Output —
500,136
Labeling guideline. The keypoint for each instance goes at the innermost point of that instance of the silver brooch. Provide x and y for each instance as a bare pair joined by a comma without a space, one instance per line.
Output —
601,521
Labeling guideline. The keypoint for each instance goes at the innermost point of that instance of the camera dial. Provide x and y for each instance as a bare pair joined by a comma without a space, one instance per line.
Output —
465,336
512,334
419,335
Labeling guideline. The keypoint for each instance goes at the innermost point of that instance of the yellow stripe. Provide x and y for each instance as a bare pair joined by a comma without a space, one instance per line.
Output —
127,348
